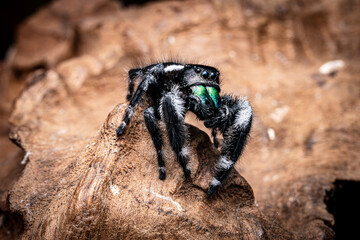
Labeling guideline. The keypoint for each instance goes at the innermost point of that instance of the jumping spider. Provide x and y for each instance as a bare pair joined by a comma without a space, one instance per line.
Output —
173,89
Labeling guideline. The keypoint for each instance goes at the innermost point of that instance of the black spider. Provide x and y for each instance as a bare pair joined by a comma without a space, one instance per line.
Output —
172,89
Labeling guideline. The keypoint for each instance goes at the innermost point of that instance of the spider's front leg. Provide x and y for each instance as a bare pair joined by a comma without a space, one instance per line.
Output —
149,78
172,111
234,121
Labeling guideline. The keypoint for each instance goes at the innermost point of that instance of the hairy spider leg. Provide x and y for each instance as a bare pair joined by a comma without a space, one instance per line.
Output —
154,130
235,136
148,80
172,110
133,74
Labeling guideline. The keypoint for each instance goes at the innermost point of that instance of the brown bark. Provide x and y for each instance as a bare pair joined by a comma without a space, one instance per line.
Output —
79,187
77,180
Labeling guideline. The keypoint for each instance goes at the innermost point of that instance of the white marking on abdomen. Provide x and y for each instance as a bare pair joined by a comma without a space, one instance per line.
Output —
173,68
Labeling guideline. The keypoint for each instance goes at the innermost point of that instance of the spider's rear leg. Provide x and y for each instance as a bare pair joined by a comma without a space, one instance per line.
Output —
143,87
173,112
153,128
133,74
235,136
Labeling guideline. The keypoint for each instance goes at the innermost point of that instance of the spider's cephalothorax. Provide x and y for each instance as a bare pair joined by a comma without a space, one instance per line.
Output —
172,89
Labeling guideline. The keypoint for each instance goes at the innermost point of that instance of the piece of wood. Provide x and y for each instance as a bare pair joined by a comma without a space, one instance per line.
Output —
304,137
80,186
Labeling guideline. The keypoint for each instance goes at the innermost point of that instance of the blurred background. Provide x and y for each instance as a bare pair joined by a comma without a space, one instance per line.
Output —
297,61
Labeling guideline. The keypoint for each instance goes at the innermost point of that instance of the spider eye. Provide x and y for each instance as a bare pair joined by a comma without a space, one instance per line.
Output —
212,75
198,70
205,74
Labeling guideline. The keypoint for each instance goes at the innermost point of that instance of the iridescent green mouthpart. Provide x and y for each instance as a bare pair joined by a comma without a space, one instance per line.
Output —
207,93
214,95
200,91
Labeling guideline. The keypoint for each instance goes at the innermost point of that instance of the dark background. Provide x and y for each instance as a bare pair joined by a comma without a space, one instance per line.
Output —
12,13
